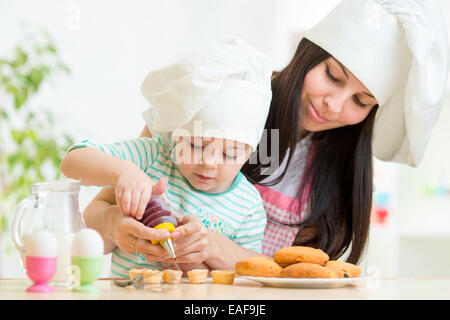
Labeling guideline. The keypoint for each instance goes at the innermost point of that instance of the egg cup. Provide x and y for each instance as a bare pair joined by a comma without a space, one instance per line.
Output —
40,270
90,270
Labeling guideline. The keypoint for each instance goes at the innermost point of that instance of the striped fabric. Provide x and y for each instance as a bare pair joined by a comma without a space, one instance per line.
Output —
237,213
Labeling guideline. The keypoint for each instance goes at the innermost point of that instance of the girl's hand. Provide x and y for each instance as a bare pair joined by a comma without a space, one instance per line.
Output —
133,189
193,242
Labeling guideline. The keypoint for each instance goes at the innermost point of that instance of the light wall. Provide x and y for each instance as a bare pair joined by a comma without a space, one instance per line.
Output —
111,45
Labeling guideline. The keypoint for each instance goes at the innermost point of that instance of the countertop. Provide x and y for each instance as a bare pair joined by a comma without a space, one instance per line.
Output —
242,289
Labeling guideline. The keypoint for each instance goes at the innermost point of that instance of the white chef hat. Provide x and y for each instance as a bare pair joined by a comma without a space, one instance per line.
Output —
399,50
223,91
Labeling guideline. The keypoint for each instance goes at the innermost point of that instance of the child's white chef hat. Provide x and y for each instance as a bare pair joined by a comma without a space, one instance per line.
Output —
399,50
223,91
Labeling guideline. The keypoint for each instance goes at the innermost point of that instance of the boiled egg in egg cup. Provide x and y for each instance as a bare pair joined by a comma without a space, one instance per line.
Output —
41,250
87,257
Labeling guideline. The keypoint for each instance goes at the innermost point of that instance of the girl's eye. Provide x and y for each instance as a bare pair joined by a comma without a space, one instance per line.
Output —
330,75
228,156
358,102
196,147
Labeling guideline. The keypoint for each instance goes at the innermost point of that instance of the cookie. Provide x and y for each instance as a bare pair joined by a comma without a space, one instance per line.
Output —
307,270
258,267
152,276
172,276
344,269
197,275
222,276
295,254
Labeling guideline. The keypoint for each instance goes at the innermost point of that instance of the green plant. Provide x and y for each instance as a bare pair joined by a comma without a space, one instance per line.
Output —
31,149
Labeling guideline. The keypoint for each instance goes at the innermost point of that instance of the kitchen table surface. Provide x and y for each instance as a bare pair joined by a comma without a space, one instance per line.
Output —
242,289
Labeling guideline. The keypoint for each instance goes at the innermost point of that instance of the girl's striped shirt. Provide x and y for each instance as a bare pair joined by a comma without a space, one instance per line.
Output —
237,213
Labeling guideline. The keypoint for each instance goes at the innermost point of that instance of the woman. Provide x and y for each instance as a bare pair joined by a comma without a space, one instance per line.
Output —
370,76
341,190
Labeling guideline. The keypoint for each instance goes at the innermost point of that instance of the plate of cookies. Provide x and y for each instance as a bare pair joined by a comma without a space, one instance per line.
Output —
299,267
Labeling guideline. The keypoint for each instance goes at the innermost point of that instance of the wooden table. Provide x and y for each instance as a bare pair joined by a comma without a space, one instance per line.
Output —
373,289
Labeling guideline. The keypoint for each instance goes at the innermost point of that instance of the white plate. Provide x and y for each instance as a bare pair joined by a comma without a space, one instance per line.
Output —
306,282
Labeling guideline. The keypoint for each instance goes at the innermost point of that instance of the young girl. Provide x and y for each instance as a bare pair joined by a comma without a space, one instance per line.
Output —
369,77
201,159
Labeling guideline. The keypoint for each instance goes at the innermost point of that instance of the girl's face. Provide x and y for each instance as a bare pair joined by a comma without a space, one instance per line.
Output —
333,97
210,164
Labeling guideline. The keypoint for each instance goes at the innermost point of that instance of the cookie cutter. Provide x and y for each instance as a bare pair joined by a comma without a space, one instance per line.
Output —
138,282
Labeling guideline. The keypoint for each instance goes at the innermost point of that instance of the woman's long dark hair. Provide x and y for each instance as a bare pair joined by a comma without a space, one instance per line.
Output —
340,173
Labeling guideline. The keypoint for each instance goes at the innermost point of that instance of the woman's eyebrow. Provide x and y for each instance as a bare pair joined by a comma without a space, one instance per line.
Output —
342,67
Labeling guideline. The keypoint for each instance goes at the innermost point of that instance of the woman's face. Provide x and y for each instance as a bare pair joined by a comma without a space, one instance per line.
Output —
333,97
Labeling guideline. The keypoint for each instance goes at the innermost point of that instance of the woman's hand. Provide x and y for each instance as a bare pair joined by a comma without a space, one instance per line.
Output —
134,237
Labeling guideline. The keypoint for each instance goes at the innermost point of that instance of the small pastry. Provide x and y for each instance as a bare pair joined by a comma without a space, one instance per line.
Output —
153,276
135,272
223,276
197,275
172,276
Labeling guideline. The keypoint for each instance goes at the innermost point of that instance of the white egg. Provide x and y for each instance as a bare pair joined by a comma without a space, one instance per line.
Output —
41,244
87,243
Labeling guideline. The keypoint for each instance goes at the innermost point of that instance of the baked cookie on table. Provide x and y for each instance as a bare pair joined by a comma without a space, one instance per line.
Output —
344,269
308,270
258,267
295,254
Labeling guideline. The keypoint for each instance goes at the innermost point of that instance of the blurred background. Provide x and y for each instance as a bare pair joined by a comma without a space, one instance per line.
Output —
73,69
